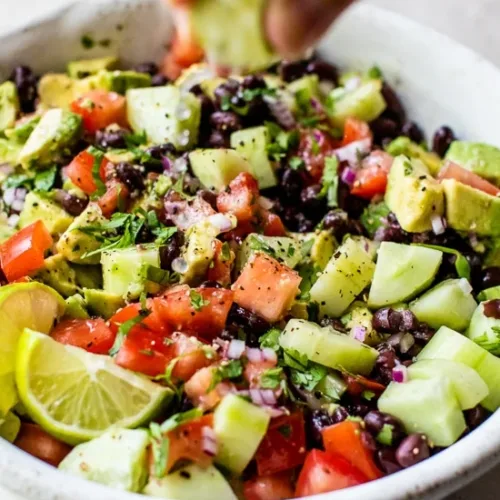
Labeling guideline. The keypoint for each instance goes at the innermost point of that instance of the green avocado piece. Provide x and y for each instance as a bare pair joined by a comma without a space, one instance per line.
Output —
23,129
102,303
121,81
471,210
88,67
242,42
74,244
359,316
38,207
413,195
88,276
482,159
9,151
252,144
76,307
117,459
166,115
56,90
50,140
10,427
405,146
57,273
9,105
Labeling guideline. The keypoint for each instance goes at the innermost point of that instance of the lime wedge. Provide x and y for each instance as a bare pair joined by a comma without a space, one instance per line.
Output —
22,305
76,396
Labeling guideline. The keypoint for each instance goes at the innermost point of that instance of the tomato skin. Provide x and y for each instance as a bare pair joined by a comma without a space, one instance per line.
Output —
324,472
116,194
451,170
240,197
355,130
254,370
344,439
80,172
24,252
371,180
271,223
197,389
220,269
93,335
190,357
283,446
99,108
176,308
153,321
34,440
276,487
356,384
314,147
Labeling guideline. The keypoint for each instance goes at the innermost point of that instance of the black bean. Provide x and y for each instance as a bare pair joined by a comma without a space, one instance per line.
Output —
395,109
225,121
148,67
218,140
26,84
386,361
253,325
324,70
72,204
413,131
209,196
475,417
304,224
317,421
375,421
111,138
409,322
368,441
282,114
224,92
423,333
171,250
389,233
380,319
358,409
291,182
442,140
130,175
353,205
386,459
491,308
335,323
310,200
185,404
384,129
490,277
339,415
159,80
292,70
412,450
253,82
337,221
157,152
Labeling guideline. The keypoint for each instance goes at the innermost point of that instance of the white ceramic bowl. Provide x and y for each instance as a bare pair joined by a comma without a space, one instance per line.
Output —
440,82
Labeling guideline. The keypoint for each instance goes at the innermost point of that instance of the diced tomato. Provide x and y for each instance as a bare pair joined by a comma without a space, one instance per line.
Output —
272,225
190,356
283,446
324,472
117,194
276,487
241,231
253,371
197,389
199,311
453,171
99,108
24,252
315,146
355,130
344,439
93,335
34,440
240,197
153,321
372,178
357,384
266,287
80,171
220,268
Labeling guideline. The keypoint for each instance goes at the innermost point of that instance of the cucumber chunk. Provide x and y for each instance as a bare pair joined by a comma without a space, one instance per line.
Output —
426,406
347,274
402,272
469,388
240,427
328,347
484,331
447,304
191,483
489,370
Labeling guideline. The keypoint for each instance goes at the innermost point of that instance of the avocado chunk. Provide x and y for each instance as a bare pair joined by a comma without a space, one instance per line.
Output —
191,482
9,151
23,129
56,90
405,146
102,303
166,115
413,195
88,276
9,105
88,67
74,243
121,81
55,133
482,159
10,427
358,320
216,168
38,207
252,144
117,459
76,307
124,271
484,330
471,210
57,273
323,247
242,43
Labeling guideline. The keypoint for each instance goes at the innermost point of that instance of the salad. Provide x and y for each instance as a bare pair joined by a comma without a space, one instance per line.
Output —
258,287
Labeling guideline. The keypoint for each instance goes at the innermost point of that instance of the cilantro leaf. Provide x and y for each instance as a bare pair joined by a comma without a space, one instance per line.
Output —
271,339
330,182
296,163
226,371
375,73
133,140
197,300
310,377
18,180
385,436
225,253
261,245
96,171
160,276
271,378
180,418
160,448
462,265
124,330
295,360
373,217
45,179
490,342
309,272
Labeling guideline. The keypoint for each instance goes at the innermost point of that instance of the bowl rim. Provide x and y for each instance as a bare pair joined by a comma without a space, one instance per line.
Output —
437,476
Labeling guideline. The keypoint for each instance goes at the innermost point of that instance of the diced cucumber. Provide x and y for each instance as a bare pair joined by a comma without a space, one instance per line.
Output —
239,427
484,331
252,144
402,272
216,168
328,347
469,388
332,387
365,103
489,294
9,427
447,304
426,406
489,370
192,482
282,248
117,459
124,271
347,274
306,87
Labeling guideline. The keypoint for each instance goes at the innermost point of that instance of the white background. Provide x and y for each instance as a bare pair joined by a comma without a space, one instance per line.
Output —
473,22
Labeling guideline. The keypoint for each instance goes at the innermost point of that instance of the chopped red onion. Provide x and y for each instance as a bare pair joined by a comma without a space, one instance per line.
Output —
9,195
473,240
256,395
438,224
225,388
351,152
221,222
465,286
13,220
167,164
209,441
17,205
179,265
359,333
254,355
275,412
236,349
348,176
407,342
400,374
244,393
268,397
270,355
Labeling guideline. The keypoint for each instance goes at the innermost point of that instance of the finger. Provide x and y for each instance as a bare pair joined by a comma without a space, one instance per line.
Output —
293,26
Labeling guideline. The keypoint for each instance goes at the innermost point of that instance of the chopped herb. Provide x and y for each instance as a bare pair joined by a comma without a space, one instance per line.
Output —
250,94
330,182
87,42
491,344
45,179
285,430
310,377
96,171
271,378
260,245
18,180
296,163
385,436
197,300
309,273
180,418
462,265
163,234
226,371
295,360
375,73
178,187
271,339
291,251
408,168
225,253
124,330
160,449
281,142
134,140
306,247
160,276
368,395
